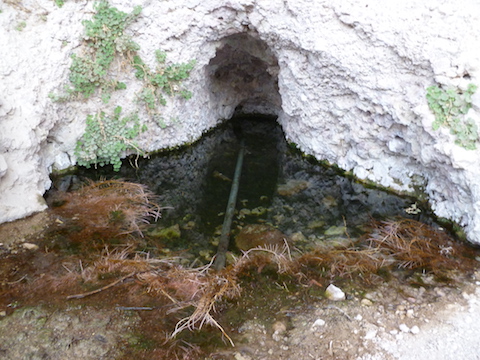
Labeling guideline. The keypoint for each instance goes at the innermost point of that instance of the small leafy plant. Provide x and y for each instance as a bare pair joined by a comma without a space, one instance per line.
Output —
21,25
450,106
165,79
105,36
106,138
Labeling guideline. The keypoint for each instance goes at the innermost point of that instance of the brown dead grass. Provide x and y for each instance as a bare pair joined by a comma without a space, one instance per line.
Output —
107,209
396,243
399,243
191,296
415,245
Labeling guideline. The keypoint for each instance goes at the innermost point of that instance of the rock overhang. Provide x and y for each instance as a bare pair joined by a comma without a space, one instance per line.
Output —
347,83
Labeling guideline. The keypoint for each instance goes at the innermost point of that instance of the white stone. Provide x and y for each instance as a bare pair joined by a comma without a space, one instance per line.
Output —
318,323
334,293
351,88
240,356
415,330
404,328
370,334
30,246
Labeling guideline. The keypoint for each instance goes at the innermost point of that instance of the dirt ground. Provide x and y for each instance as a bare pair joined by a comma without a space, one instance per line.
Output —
402,319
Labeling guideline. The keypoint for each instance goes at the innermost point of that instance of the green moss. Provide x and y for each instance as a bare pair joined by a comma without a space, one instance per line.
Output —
171,233
164,80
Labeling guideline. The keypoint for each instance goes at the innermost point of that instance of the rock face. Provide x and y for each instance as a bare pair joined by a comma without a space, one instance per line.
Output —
346,80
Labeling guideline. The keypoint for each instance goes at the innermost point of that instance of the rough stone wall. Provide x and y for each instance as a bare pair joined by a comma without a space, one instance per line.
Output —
347,80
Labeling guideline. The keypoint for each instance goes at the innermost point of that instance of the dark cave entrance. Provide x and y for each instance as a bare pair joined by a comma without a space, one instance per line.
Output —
279,186
243,77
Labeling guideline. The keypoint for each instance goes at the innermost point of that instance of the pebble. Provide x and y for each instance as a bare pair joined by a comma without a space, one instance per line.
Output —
439,292
318,323
366,302
30,246
278,328
298,237
239,356
404,328
415,330
370,334
335,231
334,293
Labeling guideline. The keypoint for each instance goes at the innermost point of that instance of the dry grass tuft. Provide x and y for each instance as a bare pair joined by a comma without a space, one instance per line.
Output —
345,263
400,243
412,244
108,209
261,256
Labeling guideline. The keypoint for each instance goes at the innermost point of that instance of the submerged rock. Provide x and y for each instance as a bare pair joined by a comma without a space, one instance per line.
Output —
292,187
171,233
255,235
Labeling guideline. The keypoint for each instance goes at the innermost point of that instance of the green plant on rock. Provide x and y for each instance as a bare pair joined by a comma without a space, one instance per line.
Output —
166,79
450,107
105,37
21,25
107,138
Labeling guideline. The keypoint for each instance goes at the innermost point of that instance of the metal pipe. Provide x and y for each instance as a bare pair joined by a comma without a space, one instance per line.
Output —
220,258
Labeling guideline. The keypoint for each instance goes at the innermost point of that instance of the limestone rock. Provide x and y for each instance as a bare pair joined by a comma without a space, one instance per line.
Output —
346,81
334,293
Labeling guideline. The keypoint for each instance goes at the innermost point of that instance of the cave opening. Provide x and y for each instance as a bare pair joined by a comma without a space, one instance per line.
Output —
243,77
279,186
